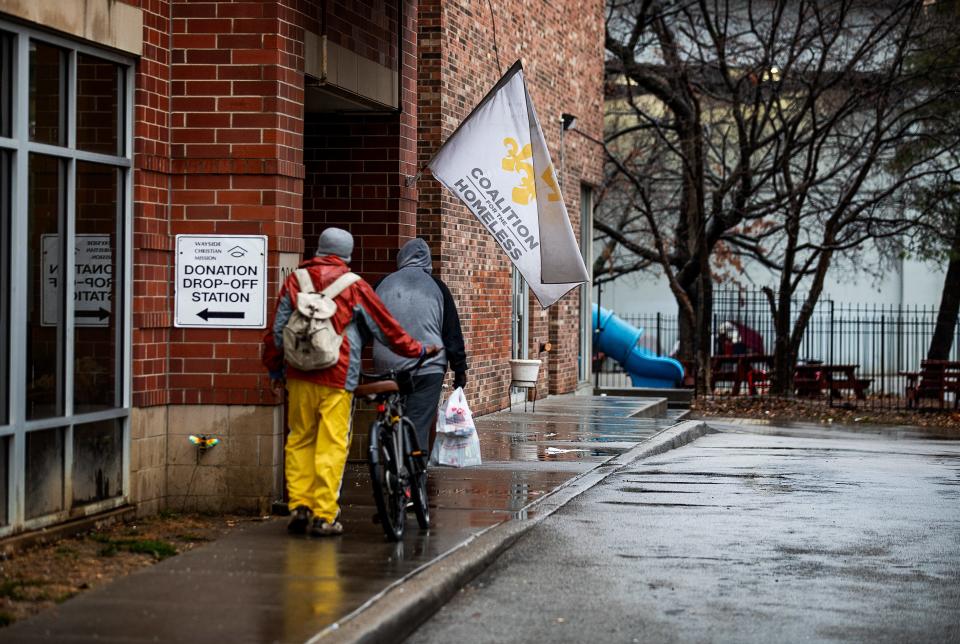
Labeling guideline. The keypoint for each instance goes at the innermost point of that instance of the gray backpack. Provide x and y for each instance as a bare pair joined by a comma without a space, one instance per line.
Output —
309,340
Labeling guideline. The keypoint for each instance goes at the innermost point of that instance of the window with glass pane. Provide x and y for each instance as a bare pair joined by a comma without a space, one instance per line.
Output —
65,429
45,292
44,472
4,479
47,93
5,250
97,461
6,82
98,105
95,375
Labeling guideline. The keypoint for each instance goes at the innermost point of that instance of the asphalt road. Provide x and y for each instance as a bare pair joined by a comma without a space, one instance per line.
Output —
739,537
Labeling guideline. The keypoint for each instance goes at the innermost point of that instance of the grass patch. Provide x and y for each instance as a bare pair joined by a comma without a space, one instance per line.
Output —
189,536
13,589
160,550
66,552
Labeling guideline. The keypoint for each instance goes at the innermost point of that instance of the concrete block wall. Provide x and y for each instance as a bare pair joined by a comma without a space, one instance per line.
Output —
240,474
148,458
237,474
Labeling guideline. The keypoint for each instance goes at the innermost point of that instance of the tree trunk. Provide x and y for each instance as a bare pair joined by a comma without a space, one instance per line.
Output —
783,360
809,305
704,332
943,333
687,333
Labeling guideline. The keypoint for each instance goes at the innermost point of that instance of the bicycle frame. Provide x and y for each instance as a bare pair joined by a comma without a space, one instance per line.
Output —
390,418
397,467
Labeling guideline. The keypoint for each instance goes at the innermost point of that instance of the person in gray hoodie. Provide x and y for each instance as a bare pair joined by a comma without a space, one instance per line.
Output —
422,304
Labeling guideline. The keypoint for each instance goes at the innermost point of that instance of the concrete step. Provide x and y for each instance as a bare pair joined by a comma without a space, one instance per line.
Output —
676,398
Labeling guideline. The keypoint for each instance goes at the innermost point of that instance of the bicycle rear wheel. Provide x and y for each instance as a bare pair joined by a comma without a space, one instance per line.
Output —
417,467
385,476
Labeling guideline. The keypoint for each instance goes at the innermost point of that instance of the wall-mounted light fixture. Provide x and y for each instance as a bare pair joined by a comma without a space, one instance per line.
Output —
567,121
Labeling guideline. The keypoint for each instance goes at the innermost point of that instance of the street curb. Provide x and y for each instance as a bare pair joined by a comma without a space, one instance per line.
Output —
404,605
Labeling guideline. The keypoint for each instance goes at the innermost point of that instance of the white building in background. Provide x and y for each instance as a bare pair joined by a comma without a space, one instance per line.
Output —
908,282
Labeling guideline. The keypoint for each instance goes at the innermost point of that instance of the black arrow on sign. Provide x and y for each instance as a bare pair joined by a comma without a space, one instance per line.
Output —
206,314
100,314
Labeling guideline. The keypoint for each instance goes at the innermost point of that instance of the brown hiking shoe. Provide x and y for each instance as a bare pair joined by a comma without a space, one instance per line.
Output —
323,528
300,520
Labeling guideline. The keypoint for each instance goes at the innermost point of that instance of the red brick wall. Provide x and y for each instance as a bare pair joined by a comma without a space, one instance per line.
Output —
561,46
153,275
219,101
353,181
366,27
219,149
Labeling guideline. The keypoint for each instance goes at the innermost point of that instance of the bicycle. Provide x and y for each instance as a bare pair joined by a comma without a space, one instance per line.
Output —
397,462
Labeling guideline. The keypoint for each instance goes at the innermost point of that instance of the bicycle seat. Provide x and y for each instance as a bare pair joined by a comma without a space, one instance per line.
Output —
376,388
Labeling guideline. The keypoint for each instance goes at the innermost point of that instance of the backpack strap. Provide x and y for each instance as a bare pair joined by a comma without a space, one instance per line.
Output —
306,284
340,284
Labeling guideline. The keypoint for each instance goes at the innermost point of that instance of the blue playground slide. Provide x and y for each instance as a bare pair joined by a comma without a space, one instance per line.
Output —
617,339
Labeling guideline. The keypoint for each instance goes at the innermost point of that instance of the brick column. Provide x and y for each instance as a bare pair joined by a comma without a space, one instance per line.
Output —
219,116
152,276
236,167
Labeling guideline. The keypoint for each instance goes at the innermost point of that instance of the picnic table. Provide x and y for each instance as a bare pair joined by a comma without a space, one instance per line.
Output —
935,379
811,379
749,368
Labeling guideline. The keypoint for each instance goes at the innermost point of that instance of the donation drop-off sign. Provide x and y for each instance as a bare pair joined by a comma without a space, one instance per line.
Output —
221,281
92,279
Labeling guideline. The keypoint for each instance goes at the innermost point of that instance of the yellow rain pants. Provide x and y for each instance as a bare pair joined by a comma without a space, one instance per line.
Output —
317,446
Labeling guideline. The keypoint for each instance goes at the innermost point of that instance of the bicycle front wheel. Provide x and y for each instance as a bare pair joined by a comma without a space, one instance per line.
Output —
385,476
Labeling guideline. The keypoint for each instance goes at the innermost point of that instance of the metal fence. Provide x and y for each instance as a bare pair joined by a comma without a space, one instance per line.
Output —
882,341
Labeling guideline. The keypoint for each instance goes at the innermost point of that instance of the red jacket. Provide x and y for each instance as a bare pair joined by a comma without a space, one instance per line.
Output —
360,317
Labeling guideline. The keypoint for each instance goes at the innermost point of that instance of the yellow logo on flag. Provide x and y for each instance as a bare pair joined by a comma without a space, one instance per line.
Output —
517,161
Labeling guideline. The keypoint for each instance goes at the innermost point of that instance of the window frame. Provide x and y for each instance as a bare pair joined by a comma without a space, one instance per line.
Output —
20,148
585,366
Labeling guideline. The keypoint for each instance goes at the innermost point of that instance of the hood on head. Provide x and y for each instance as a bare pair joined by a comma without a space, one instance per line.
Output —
415,253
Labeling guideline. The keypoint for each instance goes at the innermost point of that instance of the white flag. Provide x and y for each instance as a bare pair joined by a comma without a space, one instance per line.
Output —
497,163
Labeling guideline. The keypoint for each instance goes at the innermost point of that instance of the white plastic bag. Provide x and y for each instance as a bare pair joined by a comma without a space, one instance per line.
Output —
454,417
457,444
456,451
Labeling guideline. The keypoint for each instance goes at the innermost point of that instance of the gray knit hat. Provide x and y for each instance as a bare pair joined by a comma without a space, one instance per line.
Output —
335,241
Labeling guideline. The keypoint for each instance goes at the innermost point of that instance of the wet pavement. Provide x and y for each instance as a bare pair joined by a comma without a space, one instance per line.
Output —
757,534
260,585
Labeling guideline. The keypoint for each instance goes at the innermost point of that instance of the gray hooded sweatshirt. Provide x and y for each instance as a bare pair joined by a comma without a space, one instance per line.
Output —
423,306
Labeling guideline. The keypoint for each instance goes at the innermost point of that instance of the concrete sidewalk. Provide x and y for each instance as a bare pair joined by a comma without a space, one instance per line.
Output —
260,585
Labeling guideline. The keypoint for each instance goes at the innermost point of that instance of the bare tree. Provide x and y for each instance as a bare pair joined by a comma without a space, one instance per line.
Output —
772,124
937,143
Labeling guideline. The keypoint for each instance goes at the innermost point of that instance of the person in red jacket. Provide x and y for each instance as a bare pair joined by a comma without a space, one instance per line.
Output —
320,402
